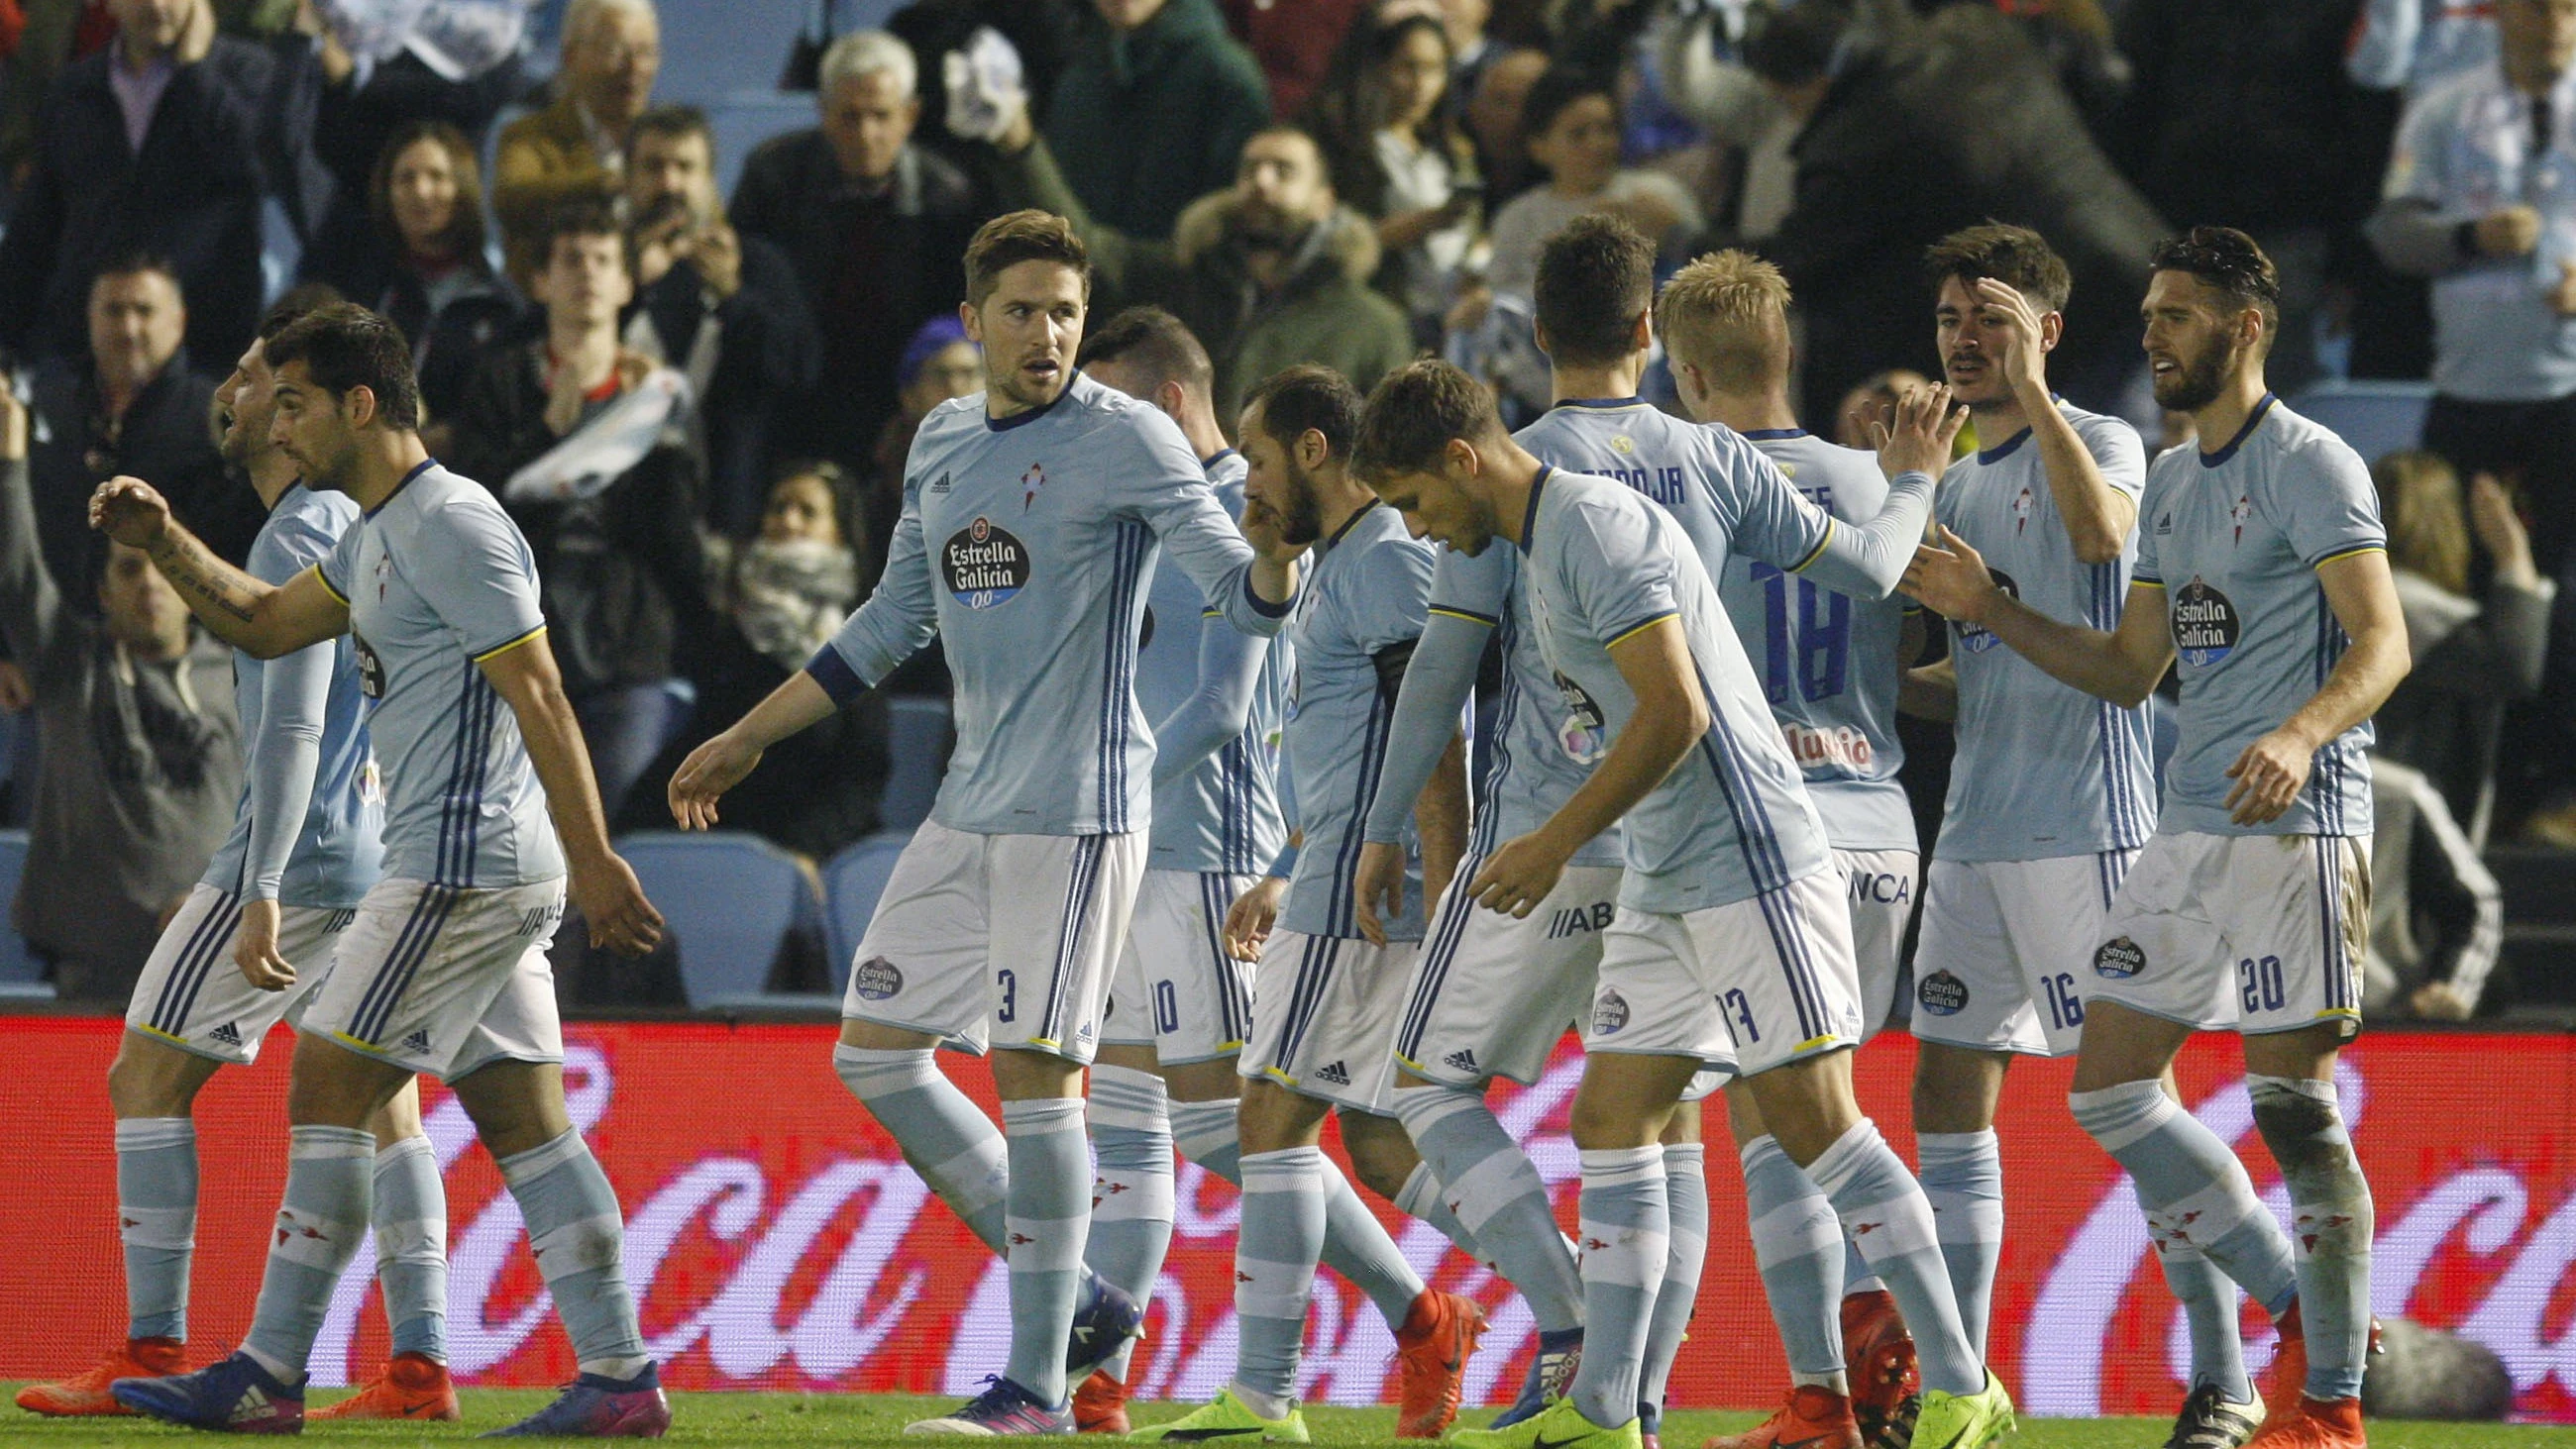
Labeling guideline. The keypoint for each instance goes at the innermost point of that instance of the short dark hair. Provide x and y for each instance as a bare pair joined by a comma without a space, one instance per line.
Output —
586,214
1558,87
1155,343
1021,236
299,299
1595,278
136,263
1795,44
2013,255
1413,414
343,346
2228,260
673,121
1308,396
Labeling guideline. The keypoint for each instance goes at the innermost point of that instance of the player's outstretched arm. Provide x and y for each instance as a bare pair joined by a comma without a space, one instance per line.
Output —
604,888
1440,818
1437,683
1219,708
1951,579
728,759
257,618
1868,561
2273,769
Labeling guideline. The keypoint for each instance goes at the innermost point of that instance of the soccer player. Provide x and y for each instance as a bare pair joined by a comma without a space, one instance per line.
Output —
444,969
1325,1006
1031,513
2261,561
1829,662
1181,1005
1727,894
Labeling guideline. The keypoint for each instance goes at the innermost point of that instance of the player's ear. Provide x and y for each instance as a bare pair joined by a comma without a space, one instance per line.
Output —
971,317
358,405
1461,457
2052,328
1641,333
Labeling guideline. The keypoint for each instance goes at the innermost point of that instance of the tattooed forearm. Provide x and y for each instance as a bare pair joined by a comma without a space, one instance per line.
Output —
205,581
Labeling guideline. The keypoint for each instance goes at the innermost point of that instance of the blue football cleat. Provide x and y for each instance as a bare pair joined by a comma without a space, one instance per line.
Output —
1551,1372
234,1396
1101,1327
1003,1408
595,1407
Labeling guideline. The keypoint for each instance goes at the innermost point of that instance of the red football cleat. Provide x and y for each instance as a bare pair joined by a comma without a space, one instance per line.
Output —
85,1395
2312,1424
413,1386
1433,1346
1100,1405
1886,1390
1811,1418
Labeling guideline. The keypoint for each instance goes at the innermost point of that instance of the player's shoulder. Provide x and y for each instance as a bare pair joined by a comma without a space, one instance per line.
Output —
2287,449
2102,431
1594,505
306,525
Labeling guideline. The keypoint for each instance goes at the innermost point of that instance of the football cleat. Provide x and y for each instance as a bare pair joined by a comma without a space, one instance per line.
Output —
230,1396
1432,1348
1551,1373
85,1394
1101,1327
1003,1408
2211,1420
1100,1405
1228,1417
1886,1392
1558,1426
414,1386
596,1407
1964,1421
1650,1426
1812,1417
2312,1424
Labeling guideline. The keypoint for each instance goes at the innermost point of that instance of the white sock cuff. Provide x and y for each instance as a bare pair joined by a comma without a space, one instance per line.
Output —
1290,1169
2258,1085
2118,1116
143,1134
1128,1106
1039,1116
1201,1129
520,1169
1837,1165
1686,1156
409,1147
1422,1108
1126,1083
1622,1166
1759,1150
1954,1146
871,1072
313,1144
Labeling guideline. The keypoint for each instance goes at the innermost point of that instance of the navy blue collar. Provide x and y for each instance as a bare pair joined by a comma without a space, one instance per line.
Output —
1212,459
1017,420
1349,523
2253,420
2004,449
1631,401
1765,435
1529,520
423,466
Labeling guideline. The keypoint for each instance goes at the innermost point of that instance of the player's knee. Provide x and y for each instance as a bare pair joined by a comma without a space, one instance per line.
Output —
2302,1125
1382,1156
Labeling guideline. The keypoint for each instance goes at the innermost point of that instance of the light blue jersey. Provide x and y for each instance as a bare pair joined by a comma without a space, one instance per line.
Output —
1733,820
1216,797
438,579
2044,770
1828,660
1369,592
1026,544
2234,538
310,827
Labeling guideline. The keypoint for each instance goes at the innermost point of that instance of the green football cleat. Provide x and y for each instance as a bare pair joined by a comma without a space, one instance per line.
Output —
1964,1421
1558,1426
1227,1418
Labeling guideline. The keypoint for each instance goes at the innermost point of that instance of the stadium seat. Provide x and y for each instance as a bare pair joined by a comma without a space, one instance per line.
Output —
731,899
852,884
21,975
917,755
2377,418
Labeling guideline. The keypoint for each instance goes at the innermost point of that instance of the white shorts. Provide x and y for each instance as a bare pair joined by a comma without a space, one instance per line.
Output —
1777,968
192,996
439,980
1880,886
2001,965
1493,995
2244,933
998,940
1176,990
1324,1013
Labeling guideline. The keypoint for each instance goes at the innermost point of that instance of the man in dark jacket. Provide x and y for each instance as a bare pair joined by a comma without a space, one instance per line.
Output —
166,141
876,228
1911,132
1153,111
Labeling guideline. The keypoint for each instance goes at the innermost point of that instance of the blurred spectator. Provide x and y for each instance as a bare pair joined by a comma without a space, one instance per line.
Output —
1153,111
140,756
624,577
132,406
165,141
1493,114
1294,44
422,265
1698,56
1271,271
875,227
2436,911
2413,45
612,50
936,365
1399,157
1040,33
55,33
1570,122
1953,122
725,309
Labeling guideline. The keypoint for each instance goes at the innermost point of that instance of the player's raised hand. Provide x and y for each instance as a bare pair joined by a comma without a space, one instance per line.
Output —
1518,875
710,770
1918,438
613,905
2022,351
130,511
1380,880
2269,776
1950,578
1248,920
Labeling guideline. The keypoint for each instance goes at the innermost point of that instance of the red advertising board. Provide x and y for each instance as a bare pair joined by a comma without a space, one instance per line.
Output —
776,1240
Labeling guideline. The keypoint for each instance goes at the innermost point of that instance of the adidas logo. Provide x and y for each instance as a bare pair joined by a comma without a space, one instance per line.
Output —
252,1405
416,1042
1335,1073
1464,1059
941,486
228,1034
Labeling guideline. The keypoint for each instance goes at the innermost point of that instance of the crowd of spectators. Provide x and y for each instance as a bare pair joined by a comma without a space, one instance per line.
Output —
698,407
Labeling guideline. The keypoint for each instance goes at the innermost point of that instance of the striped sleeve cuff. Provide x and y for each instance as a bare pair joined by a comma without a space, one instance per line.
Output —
1470,615
506,645
2147,579
1262,606
1641,626
1818,551
327,586
2348,551
836,676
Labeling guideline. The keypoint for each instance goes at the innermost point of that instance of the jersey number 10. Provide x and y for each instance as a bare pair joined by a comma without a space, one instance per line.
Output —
1818,652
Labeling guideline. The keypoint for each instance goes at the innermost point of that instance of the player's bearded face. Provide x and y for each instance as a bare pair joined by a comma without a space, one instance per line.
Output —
246,403
1301,518
2191,372
1030,329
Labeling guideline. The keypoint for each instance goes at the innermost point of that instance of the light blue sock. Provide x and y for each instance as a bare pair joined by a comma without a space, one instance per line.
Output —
579,1238
1131,1187
1048,1217
2208,1298
410,1219
2187,1176
156,1208
2331,1222
1423,1197
1798,1245
1882,1206
1502,1202
1686,1199
1856,1275
1963,1179
1627,1238
318,1228
1356,1244
944,1136
1276,1249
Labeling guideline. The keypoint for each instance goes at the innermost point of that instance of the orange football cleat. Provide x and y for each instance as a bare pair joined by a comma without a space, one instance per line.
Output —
413,1386
1438,1335
2312,1424
85,1394
1886,1390
1100,1405
1811,1418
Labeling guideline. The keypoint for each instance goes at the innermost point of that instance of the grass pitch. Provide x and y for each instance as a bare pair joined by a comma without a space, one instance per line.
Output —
836,1419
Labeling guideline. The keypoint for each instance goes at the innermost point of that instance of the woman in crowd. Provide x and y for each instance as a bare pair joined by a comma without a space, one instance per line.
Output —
1572,121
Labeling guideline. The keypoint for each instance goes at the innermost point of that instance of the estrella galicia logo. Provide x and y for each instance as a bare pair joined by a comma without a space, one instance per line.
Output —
1582,734
2120,958
1976,638
876,978
985,566
2205,625
1609,1014
1942,994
